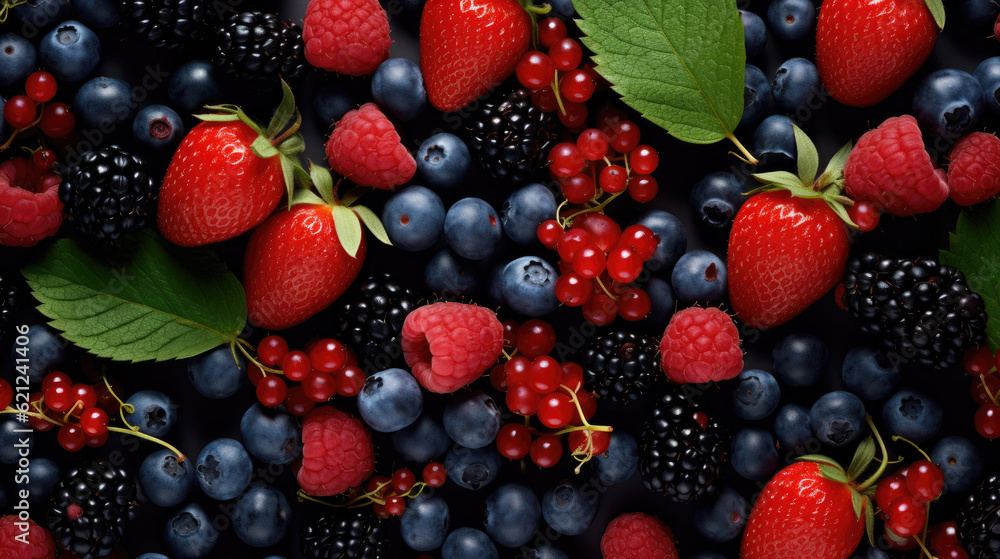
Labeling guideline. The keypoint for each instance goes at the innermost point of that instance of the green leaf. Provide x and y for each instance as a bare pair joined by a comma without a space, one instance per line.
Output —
835,167
284,113
869,521
833,473
216,117
147,300
678,63
262,148
841,212
807,157
373,223
857,502
863,456
819,459
303,196
779,178
974,248
349,230
323,181
293,145
288,166
936,8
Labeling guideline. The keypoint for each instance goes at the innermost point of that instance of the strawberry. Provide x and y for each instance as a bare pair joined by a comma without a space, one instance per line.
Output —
228,174
467,48
304,257
789,245
866,50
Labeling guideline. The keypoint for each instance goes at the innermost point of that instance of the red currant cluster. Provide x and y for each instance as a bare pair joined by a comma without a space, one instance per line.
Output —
981,363
388,495
536,384
904,499
598,265
29,109
324,369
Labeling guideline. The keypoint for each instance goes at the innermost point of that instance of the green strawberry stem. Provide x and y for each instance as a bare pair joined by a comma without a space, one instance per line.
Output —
534,10
883,464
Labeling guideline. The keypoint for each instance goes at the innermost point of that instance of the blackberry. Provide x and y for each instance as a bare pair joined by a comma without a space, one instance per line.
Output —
683,451
12,290
89,506
918,310
108,194
169,24
979,519
351,534
621,366
511,138
259,48
371,319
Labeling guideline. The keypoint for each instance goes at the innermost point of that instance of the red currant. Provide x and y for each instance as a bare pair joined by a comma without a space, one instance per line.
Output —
522,400
642,188
578,189
588,403
978,391
978,360
545,99
546,451
572,376
350,381
296,365
641,240
566,54
577,86
328,355
57,121
535,70
864,214
590,442
951,552
434,474
593,144
898,543
71,437
59,397
575,115
402,481
43,159
624,265
57,377
565,160
297,402
644,159
925,481
613,179
254,373
605,230
608,117
498,378
105,399
377,485
271,350
906,516
549,232
544,375
271,391
600,309
6,393
41,86
510,331
535,338
589,262
624,136
634,304
550,30
987,421
573,290
517,370
20,111
320,387
556,410
94,421
98,441
85,395
944,534
889,489
513,441
572,241
395,505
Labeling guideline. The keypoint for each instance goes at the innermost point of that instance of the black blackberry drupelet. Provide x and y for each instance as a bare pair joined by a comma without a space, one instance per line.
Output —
108,194
510,137
89,507
621,366
349,534
683,451
371,318
260,49
979,519
917,310
169,24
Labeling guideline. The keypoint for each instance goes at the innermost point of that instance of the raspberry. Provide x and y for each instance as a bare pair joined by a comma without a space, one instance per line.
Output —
30,209
638,535
448,345
337,452
365,148
346,36
974,174
701,345
37,545
890,168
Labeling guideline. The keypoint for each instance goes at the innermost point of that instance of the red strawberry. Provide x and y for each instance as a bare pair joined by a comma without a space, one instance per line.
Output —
788,247
865,50
467,48
346,36
219,184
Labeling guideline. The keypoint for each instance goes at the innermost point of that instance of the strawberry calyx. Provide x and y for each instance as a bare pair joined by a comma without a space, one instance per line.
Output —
280,139
936,7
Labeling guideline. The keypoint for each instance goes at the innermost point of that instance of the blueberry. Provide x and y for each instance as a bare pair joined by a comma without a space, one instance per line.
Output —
791,427
869,374
912,415
46,348
414,218
104,103
755,455
620,461
472,468
525,210
980,13
569,508
838,418
468,543
424,440
717,197
223,469
774,142
988,76
154,412
152,556
270,435
164,480
472,419
216,374
18,59
390,400
12,442
662,302
101,14
193,85
449,276
472,228
562,8
699,276
795,83
756,394
398,88
529,286
189,534
754,32
543,551
158,127
673,241
331,102
44,474
876,553
443,160
41,13
71,51
424,523
721,518
948,103
261,516
800,359
512,514
791,20
756,95
957,457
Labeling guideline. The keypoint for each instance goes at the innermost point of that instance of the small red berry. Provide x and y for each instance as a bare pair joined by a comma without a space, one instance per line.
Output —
402,481
20,111
59,397
513,441
565,159
556,410
550,30
71,437
978,360
566,54
642,188
987,421
350,380
925,481
535,70
522,400
434,474
271,350
56,377
57,121
41,86
271,391
85,395
624,136
395,505
6,393
43,159
319,387
546,451
94,421
296,365
328,355
573,290
906,516
593,144
297,402
644,159
535,338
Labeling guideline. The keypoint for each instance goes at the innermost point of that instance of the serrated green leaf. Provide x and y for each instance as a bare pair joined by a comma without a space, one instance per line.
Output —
323,181
807,158
147,300
974,248
284,113
863,456
678,63
262,148
833,473
373,223
349,230
936,8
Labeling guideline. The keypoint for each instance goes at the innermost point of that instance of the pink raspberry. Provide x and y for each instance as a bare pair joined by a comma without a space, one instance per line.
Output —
346,36
30,209
974,170
39,541
638,535
701,345
449,345
337,452
365,148
890,168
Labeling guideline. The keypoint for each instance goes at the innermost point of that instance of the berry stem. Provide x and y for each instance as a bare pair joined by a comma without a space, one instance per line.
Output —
986,387
77,404
597,208
604,289
35,414
239,343
290,131
923,548
5,7
123,407
135,432
14,134
555,91
747,157
913,444
883,464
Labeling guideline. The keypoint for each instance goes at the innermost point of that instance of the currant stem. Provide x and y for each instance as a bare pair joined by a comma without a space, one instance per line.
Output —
77,404
596,208
883,464
35,414
993,397
913,444
141,435
254,360
605,289
747,156
303,496
555,91
923,548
